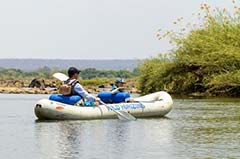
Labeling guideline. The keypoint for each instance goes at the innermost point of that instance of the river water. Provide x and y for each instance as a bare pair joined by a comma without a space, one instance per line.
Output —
194,129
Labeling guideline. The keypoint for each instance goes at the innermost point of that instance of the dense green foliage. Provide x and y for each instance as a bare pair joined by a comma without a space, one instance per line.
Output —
16,74
91,73
96,81
45,72
206,60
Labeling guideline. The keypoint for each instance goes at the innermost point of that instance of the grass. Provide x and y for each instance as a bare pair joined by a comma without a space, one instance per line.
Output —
95,82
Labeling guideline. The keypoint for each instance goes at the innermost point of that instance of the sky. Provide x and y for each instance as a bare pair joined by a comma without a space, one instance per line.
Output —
90,29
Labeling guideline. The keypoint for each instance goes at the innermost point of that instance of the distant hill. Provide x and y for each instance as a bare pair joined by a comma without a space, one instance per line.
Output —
34,64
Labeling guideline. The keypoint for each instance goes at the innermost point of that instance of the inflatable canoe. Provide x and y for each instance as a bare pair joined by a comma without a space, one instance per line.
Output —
153,105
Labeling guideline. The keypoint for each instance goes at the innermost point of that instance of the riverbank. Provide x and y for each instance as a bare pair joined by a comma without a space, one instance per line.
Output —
26,90
41,81
93,86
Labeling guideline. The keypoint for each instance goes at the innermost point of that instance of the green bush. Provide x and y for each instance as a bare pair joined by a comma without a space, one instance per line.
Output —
89,76
95,82
206,59
91,73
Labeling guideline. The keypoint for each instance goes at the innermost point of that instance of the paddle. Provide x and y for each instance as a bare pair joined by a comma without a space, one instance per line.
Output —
60,76
121,114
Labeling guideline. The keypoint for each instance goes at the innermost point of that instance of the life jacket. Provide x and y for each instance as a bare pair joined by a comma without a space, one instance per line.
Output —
67,87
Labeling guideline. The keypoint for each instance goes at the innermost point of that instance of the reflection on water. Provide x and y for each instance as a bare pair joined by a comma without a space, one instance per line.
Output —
196,128
106,138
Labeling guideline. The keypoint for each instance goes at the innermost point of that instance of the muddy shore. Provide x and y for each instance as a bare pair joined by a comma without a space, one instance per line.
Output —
51,87
25,90
44,86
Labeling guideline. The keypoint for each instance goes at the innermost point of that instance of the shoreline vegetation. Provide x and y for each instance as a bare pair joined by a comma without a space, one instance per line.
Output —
15,81
205,60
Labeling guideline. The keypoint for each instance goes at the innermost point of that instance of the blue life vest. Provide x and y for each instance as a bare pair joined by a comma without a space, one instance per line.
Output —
72,99
108,97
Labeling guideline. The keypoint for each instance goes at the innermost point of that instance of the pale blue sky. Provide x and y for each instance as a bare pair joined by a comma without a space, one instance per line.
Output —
89,29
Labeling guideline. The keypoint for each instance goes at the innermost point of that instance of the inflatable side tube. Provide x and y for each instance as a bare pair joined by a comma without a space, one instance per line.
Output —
65,99
108,97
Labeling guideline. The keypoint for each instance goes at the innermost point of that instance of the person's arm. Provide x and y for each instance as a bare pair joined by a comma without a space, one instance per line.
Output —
83,93
115,91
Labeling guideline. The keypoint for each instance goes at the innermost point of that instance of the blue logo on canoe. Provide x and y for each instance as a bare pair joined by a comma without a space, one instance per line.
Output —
127,106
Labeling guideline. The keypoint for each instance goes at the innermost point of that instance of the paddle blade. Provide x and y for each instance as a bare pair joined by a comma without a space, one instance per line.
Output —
125,116
60,76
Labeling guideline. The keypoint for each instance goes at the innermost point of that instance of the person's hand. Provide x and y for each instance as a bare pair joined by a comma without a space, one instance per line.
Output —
97,101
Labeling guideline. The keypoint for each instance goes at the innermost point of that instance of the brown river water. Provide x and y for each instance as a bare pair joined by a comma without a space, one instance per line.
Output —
194,129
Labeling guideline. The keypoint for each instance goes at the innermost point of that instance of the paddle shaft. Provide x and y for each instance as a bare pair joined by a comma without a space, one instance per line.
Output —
121,115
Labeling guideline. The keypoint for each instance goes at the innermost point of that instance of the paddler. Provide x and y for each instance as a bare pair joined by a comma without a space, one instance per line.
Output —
118,86
77,89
